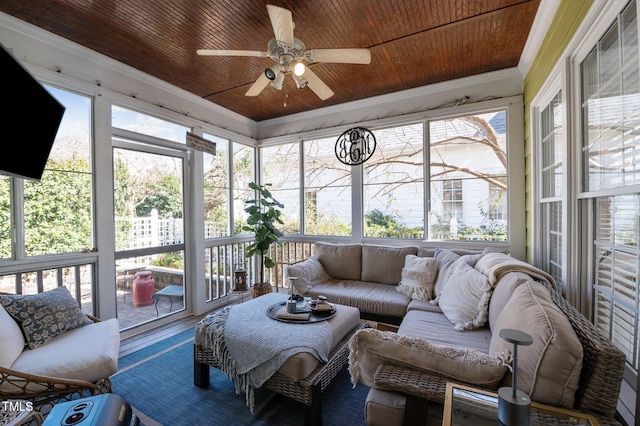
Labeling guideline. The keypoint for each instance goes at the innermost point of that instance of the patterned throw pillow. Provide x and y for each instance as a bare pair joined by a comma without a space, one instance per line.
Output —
44,315
418,277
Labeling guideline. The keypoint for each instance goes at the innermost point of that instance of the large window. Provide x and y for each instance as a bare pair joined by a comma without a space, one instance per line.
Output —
468,169
281,169
393,184
216,189
610,176
243,164
551,171
57,211
327,190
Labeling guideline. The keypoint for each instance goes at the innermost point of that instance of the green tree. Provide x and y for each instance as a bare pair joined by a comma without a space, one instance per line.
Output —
57,210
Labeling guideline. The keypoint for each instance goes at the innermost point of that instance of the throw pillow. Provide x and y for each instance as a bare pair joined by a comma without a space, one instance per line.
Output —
11,338
465,298
370,347
549,369
44,315
448,262
445,259
309,273
418,277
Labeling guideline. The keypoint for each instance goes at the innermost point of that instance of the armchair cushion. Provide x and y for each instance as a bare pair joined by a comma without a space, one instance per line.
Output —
418,277
87,353
370,347
308,273
12,339
44,315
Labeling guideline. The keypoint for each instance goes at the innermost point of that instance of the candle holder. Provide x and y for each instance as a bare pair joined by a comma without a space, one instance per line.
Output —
292,302
240,278
514,406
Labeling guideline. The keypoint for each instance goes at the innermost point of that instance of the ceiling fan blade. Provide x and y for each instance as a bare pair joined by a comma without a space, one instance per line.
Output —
214,52
282,23
339,56
258,86
318,86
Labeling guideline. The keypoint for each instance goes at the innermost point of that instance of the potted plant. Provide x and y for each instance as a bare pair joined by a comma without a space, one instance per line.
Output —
264,212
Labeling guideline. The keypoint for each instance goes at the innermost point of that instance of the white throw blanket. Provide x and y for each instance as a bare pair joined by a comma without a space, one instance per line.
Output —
250,346
497,265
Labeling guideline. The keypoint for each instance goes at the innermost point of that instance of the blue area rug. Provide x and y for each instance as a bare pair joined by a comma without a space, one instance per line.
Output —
158,382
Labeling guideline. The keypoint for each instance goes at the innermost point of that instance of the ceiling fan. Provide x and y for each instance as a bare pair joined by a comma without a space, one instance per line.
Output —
288,52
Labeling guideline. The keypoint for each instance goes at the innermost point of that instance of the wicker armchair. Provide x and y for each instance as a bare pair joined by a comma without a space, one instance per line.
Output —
46,391
600,380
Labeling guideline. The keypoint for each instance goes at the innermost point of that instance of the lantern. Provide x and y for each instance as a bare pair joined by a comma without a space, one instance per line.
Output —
240,278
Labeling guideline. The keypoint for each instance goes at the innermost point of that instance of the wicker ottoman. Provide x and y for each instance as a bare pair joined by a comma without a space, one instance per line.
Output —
307,390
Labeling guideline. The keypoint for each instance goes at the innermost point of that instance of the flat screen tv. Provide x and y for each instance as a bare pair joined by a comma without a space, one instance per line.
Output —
29,121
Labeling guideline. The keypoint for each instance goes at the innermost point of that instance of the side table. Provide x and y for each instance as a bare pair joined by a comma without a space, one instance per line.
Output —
465,405
169,292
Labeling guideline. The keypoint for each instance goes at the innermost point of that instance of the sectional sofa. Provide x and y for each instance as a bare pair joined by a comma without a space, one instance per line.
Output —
450,306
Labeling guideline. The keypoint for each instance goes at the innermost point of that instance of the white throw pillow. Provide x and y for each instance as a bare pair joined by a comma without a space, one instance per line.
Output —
308,273
448,262
11,338
418,277
465,298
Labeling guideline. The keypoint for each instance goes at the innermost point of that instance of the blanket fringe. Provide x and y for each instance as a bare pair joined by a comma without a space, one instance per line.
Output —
214,339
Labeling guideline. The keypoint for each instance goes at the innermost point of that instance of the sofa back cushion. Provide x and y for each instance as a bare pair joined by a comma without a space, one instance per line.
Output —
383,264
549,369
502,293
11,339
340,261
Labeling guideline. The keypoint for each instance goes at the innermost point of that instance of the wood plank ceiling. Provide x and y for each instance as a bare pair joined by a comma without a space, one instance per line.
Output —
412,42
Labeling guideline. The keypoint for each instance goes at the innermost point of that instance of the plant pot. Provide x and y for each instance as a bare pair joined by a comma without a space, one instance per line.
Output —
261,288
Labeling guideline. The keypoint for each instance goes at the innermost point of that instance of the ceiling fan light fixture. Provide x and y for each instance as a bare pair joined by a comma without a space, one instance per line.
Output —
277,82
301,82
299,69
273,71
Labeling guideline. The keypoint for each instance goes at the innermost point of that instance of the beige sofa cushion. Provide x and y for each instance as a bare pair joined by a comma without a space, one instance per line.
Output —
370,347
340,261
502,293
308,273
445,259
418,277
370,298
549,369
382,264
465,298
436,328
11,339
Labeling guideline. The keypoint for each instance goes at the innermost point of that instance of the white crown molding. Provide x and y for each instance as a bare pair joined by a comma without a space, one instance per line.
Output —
495,84
544,16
